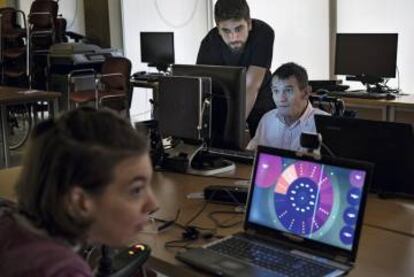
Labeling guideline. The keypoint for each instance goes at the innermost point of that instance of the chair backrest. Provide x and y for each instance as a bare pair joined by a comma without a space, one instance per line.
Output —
333,105
120,65
43,14
8,20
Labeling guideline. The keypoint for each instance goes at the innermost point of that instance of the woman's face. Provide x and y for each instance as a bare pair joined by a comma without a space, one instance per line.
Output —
124,206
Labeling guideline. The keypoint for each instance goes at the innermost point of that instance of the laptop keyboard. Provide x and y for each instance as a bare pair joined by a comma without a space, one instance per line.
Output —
246,157
358,94
270,258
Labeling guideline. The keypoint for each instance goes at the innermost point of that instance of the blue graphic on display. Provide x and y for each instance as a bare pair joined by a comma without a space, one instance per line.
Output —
354,196
347,235
350,216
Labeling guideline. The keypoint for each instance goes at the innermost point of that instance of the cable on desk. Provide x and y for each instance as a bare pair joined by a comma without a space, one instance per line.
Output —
192,232
224,224
207,201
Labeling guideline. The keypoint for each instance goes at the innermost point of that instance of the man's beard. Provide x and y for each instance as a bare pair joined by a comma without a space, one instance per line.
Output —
238,49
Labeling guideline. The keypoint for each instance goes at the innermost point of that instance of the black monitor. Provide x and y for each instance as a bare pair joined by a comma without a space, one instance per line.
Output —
367,57
181,108
388,145
228,102
157,49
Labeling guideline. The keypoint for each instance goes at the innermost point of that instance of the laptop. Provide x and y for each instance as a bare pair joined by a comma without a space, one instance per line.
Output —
303,218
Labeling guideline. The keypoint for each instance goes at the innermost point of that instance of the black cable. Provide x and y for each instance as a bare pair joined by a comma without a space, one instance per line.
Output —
223,224
330,152
198,213
181,243
105,263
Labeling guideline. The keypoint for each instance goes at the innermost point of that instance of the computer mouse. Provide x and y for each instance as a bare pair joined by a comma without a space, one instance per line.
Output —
390,96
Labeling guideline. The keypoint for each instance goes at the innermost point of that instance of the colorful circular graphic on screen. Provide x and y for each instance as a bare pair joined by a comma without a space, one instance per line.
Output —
303,198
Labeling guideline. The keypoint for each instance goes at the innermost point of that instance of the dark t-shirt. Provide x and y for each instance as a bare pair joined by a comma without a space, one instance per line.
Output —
25,253
258,51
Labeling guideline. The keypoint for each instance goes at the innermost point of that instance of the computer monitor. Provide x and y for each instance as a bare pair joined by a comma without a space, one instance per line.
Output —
181,108
157,49
388,145
228,102
367,57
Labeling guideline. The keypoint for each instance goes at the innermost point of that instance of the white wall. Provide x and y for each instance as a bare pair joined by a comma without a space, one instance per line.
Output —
383,16
72,10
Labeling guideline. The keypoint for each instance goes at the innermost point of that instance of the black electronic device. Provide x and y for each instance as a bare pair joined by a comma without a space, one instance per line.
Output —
183,110
151,129
129,261
362,94
183,107
329,85
366,57
388,145
228,102
235,194
65,57
311,141
157,49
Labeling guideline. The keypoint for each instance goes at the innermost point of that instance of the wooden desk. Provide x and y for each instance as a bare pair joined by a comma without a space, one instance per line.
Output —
395,215
399,110
12,96
381,252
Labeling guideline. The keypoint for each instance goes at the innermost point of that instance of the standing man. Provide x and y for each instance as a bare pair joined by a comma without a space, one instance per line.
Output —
238,40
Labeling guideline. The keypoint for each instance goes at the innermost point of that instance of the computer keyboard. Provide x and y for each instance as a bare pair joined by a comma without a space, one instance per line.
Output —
246,157
139,76
360,94
272,259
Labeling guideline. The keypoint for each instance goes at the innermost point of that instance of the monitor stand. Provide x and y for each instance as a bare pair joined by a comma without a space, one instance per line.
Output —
193,159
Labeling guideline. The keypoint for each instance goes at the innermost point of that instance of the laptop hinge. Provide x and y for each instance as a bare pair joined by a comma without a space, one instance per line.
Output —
341,259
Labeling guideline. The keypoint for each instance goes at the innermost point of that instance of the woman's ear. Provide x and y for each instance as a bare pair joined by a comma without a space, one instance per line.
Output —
80,203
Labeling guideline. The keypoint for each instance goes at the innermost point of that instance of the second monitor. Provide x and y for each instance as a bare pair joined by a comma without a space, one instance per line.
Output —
228,102
157,49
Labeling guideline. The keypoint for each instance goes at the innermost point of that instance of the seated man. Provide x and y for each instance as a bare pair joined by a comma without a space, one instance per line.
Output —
282,127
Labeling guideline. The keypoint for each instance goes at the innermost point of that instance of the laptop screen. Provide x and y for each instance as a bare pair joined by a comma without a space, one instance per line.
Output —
307,198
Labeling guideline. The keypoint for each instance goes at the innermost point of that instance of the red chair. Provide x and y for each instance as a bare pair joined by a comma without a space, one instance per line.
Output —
112,88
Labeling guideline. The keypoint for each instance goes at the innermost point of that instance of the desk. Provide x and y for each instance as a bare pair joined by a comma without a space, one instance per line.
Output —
381,252
400,109
11,96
